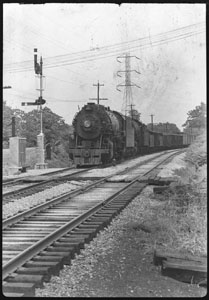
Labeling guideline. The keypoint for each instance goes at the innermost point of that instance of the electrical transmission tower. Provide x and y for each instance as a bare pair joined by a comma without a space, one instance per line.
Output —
127,96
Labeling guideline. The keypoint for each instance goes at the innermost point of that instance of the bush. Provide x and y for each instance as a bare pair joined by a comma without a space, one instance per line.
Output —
183,217
59,160
196,154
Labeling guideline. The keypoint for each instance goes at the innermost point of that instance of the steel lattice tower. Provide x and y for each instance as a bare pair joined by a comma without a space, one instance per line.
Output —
127,95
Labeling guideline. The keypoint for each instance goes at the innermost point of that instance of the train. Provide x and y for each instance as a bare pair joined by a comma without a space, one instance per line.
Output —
101,136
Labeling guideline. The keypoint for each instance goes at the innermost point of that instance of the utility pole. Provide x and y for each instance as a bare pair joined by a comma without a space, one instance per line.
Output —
127,97
98,85
152,121
134,113
13,126
131,111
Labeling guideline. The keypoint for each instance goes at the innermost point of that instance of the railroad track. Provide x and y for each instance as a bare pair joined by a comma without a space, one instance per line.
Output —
17,181
22,189
38,242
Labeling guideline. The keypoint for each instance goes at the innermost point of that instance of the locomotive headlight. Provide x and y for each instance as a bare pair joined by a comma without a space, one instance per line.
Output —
87,123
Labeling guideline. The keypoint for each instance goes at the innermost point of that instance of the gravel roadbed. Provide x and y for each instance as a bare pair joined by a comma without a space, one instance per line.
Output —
118,261
19,205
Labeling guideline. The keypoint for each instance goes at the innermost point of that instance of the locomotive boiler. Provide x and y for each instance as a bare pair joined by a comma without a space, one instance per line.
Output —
101,135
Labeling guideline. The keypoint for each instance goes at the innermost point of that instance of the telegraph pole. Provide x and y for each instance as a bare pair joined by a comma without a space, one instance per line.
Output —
132,110
152,121
98,85
13,126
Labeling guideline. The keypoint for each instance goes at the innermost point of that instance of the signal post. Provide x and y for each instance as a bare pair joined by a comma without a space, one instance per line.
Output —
40,101
40,138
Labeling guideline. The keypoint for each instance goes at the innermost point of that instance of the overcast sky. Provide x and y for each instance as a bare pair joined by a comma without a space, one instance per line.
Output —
80,44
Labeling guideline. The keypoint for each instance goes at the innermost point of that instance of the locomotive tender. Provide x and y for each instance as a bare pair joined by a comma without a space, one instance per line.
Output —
101,135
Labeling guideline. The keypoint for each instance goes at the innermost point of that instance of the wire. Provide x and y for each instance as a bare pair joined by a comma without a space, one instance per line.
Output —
101,56
38,33
18,45
72,82
49,99
86,59
61,57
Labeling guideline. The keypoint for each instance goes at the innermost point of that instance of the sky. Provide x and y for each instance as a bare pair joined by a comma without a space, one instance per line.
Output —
83,44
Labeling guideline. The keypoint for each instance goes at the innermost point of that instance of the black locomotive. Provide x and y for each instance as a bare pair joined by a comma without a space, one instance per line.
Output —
101,135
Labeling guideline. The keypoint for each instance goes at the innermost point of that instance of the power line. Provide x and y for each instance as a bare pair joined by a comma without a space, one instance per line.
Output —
72,82
63,58
38,33
48,99
63,62
18,45
102,56
52,21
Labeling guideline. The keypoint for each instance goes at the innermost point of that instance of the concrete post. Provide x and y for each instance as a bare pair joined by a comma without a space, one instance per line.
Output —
40,152
17,148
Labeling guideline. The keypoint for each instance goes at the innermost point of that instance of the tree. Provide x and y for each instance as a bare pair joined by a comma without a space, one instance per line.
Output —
196,118
7,119
164,127
28,125
55,129
22,126
134,114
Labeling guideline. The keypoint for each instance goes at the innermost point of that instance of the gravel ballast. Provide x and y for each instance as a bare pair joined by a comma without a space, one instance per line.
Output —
25,203
118,261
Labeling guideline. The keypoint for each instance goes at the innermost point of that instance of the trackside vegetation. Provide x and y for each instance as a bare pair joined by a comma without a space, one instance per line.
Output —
182,217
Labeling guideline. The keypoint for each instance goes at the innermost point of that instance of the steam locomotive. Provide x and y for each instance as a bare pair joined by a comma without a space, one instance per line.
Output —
101,136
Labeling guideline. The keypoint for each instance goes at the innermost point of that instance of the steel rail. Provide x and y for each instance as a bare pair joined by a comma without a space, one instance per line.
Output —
34,249
11,181
28,253
50,203
40,183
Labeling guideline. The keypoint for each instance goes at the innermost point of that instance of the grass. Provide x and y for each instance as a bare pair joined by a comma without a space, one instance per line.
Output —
183,221
182,218
59,161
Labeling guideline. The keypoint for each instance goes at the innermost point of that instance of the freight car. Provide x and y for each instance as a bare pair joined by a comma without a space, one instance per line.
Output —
101,135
